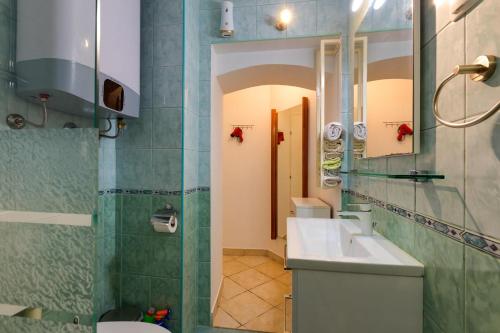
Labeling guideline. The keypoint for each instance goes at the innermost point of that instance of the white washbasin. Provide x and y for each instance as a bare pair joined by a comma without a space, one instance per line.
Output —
336,245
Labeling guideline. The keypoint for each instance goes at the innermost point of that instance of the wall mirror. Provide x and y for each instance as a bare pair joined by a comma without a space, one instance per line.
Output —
386,78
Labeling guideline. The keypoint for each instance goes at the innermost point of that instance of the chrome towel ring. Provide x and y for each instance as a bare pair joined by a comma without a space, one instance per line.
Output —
481,70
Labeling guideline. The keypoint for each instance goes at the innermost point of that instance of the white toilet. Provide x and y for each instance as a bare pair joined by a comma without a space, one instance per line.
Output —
129,327
126,320
311,208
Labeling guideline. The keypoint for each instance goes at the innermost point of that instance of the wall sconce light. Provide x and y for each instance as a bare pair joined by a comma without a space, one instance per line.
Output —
356,5
284,19
226,19
378,4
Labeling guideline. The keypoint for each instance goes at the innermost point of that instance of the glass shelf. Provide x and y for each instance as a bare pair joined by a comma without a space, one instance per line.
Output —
6,75
412,175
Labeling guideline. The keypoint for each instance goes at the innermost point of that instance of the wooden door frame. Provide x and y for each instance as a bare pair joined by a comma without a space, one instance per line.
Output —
274,162
305,147
274,174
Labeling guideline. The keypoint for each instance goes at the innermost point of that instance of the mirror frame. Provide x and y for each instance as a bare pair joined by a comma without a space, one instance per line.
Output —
416,81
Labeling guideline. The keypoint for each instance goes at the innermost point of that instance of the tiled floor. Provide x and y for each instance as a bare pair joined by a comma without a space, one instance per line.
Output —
253,294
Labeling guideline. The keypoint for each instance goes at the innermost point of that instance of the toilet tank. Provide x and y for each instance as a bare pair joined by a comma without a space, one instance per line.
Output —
56,48
311,207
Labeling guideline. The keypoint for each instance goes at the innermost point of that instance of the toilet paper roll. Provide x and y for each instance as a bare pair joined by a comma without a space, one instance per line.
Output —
172,224
161,225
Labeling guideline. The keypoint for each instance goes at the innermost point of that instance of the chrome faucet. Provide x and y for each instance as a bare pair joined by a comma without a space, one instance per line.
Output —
363,212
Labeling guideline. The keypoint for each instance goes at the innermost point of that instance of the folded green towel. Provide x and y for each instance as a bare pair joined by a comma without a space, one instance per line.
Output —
332,164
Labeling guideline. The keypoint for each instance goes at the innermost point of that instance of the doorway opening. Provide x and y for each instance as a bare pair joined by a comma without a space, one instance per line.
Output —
263,168
264,151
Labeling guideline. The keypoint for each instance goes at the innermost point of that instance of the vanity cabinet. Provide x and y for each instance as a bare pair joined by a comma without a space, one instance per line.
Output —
340,302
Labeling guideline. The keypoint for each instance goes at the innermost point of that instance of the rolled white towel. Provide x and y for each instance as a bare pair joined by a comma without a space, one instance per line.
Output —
332,181
332,155
336,146
360,132
331,173
333,131
358,145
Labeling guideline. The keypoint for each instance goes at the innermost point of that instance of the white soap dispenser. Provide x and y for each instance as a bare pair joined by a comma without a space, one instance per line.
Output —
226,20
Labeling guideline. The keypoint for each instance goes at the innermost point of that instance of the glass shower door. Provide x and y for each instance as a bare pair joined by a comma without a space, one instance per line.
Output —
48,166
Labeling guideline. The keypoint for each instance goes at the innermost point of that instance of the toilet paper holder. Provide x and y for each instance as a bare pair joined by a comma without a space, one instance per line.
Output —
164,219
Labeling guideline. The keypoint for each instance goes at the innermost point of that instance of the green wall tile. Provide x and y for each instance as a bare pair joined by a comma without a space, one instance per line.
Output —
167,164
204,279
430,326
204,209
165,293
167,87
166,128
136,251
164,260
204,244
134,168
107,215
401,192
204,311
136,213
6,172
135,291
482,302
442,152
399,230
138,133
482,182
305,19
443,278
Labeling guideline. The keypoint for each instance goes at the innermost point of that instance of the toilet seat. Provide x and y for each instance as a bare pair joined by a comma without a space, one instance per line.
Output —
129,327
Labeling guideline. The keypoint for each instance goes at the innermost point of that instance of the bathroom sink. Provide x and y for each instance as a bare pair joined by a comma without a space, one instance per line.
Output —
337,245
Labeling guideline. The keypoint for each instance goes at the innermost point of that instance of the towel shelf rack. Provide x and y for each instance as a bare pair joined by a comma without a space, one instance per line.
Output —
481,70
242,126
396,123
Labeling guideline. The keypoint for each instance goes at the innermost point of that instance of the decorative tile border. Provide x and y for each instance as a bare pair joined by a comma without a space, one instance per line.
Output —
153,192
482,243
472,239
446,229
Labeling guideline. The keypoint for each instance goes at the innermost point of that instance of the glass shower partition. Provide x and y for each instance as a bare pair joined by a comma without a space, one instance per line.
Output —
52,248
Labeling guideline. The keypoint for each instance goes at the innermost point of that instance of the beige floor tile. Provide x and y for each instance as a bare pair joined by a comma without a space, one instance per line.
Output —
272,292
285,279
245,307
270,321
233,267
253,261
229,258
288,314
231,289
223,319
271,269
250,278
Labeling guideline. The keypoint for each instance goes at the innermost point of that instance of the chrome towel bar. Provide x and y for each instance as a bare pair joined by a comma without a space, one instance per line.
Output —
481,70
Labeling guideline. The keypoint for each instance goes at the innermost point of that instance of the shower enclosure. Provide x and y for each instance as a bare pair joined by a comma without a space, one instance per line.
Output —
75,238
49,230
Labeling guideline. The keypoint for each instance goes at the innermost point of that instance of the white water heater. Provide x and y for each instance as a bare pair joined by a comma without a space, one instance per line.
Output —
56,52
